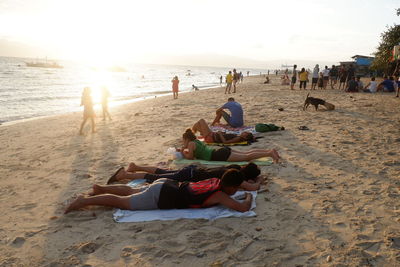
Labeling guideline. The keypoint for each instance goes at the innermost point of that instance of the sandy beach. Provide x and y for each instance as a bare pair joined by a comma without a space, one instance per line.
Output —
333,201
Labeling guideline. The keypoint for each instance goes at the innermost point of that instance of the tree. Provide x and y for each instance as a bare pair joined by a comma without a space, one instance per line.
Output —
389,39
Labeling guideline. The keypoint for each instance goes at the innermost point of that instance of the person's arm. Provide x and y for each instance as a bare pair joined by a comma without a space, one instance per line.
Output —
366,87
252,185
230,141
225,200
189,153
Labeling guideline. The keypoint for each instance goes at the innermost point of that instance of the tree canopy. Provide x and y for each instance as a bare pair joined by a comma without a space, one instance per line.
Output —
383,54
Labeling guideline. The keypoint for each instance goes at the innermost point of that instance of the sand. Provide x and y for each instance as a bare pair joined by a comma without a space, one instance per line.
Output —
334,201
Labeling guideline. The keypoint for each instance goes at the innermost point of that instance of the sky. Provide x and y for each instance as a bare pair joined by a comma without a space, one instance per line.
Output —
172,31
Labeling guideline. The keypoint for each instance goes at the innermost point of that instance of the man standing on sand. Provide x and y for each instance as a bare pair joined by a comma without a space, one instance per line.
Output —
333,76
228,80
220,80
235,79
294,77
235,119
325,73
315,76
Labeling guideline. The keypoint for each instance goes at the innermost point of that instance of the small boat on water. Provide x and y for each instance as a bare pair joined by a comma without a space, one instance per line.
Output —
45,64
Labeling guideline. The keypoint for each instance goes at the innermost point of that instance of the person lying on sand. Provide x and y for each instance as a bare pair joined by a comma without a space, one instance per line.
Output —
192,173
168,194
220,137
193,148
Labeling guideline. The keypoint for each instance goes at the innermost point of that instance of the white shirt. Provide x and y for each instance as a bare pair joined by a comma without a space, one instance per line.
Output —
372,86
326,72
315,73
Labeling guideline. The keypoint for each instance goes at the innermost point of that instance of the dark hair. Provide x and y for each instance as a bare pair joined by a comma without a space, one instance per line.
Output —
231,99
373,79
391,78
295,66
189,135
250,171
302,70
249,137
232,178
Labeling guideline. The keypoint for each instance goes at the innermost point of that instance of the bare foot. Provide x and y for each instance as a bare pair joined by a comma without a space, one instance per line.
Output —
120,175
132,167
76,204
275,156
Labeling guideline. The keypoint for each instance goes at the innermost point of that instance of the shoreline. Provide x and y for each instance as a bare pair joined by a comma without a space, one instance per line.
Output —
97,107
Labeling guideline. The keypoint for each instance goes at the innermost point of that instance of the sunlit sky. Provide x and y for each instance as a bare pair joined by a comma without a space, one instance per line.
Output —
148,30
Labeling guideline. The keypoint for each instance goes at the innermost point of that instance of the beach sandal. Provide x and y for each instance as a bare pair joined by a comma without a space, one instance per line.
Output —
113,178
303,128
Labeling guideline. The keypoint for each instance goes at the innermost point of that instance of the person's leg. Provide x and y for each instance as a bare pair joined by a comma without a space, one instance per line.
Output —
202,127
108,200
234,86
305,85
217,117
93,124
136,168
118,190
82,124
251,155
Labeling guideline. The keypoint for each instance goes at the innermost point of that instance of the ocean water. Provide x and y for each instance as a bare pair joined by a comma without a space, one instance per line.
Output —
29,92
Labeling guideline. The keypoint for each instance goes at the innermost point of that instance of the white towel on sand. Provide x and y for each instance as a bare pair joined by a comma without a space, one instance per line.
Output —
212,213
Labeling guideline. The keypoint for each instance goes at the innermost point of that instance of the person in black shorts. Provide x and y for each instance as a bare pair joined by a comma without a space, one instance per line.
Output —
168,194
294,77
191,173
333,76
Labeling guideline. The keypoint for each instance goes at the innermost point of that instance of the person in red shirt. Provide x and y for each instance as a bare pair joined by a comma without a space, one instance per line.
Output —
175,86
169,194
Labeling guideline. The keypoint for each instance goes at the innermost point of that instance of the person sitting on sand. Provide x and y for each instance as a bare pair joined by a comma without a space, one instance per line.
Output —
220,137
371,86
285,80
236,117
352,85
387,85
195,88
193,148
267,81
192,173
168,194
88,111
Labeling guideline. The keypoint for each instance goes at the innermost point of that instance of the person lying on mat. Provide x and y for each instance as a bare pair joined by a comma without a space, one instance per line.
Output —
191,173
220,137
195,149
235,119
168,194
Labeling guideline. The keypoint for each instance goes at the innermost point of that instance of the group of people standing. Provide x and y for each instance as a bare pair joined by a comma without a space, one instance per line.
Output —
232,78
344,75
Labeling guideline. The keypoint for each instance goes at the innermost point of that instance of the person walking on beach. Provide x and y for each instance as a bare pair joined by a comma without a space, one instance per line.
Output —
241,77
175,86
315,76
88,111
220,80
235,79
303,77
228,79
105,94
325,74
294,77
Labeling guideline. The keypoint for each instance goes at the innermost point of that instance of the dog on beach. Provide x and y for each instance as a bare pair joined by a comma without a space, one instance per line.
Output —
316,102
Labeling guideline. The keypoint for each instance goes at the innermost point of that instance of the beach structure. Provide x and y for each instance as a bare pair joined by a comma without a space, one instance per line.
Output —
360,63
